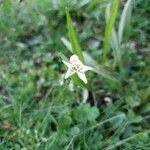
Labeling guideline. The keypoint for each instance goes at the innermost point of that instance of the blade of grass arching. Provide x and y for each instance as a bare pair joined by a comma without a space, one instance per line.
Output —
125,17
108,29
95,126
127,139
99,124
99,69
73,37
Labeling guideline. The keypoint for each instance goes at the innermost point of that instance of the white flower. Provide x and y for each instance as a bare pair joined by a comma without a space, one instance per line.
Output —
75,66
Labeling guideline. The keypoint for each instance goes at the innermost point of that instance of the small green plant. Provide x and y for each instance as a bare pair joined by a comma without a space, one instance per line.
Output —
111,39
84,57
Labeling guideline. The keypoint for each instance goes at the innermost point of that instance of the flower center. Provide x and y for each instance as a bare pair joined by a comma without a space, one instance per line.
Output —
78,67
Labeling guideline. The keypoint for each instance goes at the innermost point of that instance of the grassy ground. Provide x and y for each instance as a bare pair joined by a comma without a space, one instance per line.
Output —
37,111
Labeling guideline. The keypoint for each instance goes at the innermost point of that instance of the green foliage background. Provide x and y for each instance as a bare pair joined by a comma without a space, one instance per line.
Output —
37,111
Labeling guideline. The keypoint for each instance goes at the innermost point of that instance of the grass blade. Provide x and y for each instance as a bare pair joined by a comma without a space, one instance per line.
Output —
126,140
114,41
124,17
108,29
73,38
116,47
99,69
66,43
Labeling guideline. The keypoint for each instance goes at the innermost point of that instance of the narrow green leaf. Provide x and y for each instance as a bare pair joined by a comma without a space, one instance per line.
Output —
124,17
116,47
99,69
134,136
66,43
63,57
73,38
114,40
108,29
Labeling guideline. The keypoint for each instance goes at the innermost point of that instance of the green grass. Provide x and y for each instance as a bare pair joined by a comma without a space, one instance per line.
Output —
41,110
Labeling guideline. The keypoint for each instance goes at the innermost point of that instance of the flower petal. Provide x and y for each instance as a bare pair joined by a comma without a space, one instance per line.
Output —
85,68
69,73
67,64
74,59
82,77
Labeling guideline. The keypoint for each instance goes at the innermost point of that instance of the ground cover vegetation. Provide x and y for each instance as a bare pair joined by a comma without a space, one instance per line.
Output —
39,109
